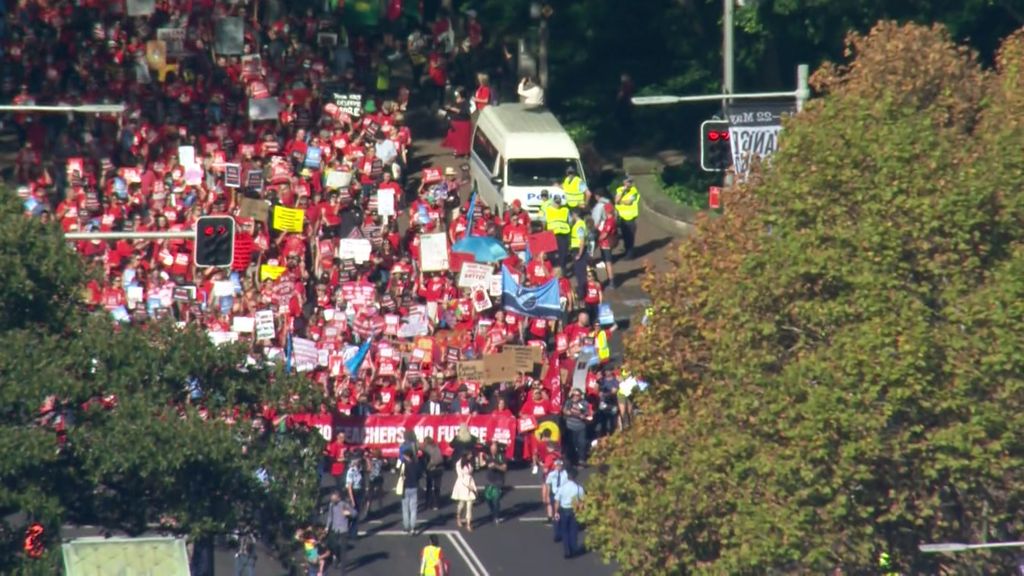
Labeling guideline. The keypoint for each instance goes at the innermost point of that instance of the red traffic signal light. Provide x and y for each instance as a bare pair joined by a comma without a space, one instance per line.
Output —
715,146
716,135
215,241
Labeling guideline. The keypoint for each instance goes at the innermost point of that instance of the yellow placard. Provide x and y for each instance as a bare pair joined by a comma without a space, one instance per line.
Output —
271,272
288,219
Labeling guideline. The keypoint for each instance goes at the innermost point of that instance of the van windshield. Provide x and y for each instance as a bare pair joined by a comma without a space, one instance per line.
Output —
539,171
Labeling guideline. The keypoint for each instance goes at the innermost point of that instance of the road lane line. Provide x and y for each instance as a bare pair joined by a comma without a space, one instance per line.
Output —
469,550
534,519
458,542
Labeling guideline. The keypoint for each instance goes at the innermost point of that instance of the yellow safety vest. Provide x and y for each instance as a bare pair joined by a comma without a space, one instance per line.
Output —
574,240
601,343
629,209
431,560
557,219
574,196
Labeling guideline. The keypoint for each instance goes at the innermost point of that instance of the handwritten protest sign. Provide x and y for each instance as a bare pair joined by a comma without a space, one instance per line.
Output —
229,36
474,275
351,104
253,208
288,219
433,252
356,249
472,370
264,108
174,39
386,202
264,320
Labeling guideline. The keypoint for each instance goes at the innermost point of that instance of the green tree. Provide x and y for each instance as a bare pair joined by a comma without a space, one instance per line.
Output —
843,375
161,455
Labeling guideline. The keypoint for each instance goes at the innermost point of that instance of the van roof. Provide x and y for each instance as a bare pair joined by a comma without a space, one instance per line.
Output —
528,132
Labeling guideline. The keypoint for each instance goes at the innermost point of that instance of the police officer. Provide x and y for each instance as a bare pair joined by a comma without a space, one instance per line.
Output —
579,248
567,497
576,192
627,207
556,218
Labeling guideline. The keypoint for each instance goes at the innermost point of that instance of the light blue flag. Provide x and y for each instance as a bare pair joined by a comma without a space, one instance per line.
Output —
537,302
353,365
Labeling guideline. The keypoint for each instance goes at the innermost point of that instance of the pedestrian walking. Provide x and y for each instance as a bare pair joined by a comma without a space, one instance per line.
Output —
245,554
340,516
627,206
410,497
356,487
432,560
578,414
434,473
374,483
568,497
464,491
552,483
496,466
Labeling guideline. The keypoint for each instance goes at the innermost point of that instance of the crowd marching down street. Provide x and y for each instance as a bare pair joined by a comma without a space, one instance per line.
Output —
440,333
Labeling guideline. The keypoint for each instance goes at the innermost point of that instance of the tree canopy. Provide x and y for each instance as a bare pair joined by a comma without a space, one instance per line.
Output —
835,362
126,427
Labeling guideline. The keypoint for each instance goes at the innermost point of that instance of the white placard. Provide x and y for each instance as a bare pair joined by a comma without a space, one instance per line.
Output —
357,249
220,338
222,288
386,202
434,252
415,327
265,324
243,324
495,285
473,275
133,295
186,155
304,354
193,174
481,301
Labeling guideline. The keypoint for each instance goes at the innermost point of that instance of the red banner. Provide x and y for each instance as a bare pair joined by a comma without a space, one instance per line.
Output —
387,432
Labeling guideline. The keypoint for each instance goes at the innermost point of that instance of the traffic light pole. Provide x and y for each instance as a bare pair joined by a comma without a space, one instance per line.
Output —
801,94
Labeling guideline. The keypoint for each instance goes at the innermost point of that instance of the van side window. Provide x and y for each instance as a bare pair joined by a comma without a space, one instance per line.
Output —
485,150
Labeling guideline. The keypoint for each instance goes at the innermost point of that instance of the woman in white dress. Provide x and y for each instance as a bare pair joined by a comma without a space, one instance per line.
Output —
464,492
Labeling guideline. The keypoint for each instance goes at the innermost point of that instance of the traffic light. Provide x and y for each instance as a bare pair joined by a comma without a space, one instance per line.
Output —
215,241
715,146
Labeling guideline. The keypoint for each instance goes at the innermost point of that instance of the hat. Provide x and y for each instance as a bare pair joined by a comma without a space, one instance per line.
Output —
570,170
543,193
628,178
449,171
557,200
516,203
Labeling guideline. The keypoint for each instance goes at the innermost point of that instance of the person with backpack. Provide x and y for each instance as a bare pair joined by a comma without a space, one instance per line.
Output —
496,466
432,559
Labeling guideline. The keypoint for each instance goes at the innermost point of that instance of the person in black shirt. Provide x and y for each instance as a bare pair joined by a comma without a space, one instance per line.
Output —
496,466
410,478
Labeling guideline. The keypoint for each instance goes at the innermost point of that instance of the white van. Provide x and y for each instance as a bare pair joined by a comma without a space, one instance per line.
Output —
517,152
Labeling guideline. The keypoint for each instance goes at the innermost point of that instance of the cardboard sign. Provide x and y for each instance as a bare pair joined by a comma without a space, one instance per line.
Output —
264,108
351,104
471,370
475,275
289,219
506,366
264,321
253,208
356,249
254,180
233,175
434,252
229,39
542,242
386,202
174,39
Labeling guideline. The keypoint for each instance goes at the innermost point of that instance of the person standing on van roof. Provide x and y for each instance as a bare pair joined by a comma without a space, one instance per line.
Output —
576,192
556,217
530,93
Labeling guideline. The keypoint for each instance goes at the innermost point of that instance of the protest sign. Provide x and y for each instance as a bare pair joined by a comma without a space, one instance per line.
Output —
304,355
386,202
264,108
506,366
494,285
288,219
222,288
186,155
387,433
253,208
542,242
193,174
326,39
141,7
313,157
183,293
229,36
351,104
471,370
233,175
338,179
358,293
243,324
219,338
174,39
416,326
474,275
356,249
605,315
481,301
434,252
264,321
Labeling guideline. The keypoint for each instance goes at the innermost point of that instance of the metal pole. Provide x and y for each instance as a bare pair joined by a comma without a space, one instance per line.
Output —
661,100
542,53
728,34
803,91
182,235
84,109
945,547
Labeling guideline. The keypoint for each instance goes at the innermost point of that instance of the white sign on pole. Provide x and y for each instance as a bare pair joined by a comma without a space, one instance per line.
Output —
386,202
434,252
265,324
474,275
495,285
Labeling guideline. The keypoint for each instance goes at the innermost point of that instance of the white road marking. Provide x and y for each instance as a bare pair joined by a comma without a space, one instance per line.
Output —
455,535
534,519
462,548
528,486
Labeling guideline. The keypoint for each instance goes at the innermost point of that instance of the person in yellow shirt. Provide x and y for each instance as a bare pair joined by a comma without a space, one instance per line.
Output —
576,192
556,219
432,560
627,209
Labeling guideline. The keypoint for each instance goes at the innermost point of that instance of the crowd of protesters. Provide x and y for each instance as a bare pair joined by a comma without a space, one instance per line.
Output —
129,172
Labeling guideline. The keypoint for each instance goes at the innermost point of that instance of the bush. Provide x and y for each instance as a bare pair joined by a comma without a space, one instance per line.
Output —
688,184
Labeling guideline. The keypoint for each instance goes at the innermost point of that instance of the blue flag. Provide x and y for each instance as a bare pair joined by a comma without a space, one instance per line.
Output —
472,209
354,363
288,355
539,302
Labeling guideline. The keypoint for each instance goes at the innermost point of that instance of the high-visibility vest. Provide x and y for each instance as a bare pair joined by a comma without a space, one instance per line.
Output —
629,208
557,219
601,343
574,195
431,560
574,240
